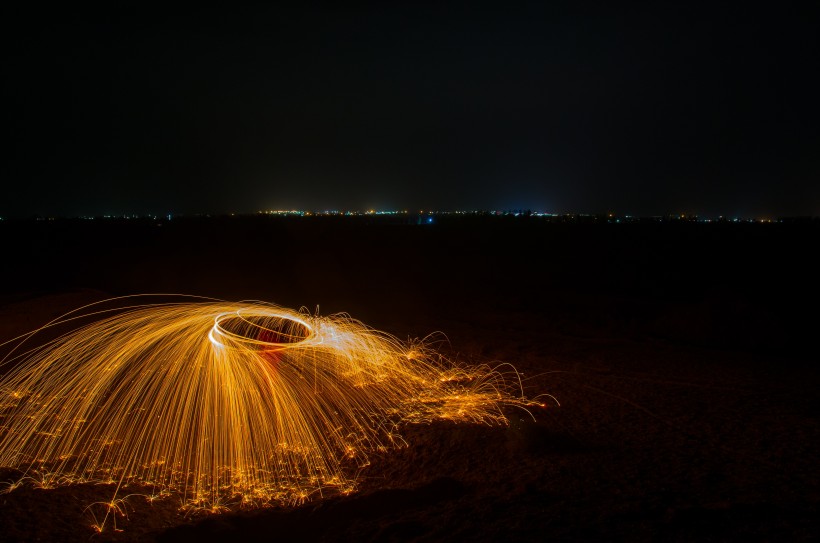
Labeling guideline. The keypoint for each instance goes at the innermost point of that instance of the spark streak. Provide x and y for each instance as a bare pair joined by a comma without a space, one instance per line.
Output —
224,402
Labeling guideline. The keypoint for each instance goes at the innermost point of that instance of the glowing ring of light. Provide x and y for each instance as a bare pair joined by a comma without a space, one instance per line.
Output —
222,335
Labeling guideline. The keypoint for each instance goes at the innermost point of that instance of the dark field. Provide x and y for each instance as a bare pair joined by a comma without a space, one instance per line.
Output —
683,355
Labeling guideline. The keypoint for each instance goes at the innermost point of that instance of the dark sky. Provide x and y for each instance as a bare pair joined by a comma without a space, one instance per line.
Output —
643,110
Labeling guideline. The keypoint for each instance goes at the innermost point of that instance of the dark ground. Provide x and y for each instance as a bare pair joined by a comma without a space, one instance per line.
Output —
684,357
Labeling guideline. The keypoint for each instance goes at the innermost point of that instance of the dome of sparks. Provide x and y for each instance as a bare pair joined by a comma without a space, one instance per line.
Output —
223,402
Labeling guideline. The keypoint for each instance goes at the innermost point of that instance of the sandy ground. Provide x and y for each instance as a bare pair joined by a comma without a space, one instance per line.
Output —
683,416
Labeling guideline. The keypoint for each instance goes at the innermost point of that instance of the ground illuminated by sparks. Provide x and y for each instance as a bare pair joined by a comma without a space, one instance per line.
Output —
224,402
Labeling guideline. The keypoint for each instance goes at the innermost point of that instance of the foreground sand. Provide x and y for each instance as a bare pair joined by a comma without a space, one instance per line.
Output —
688,412
651,440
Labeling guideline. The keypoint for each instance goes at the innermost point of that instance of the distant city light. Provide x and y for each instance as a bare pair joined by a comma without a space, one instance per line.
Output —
427,216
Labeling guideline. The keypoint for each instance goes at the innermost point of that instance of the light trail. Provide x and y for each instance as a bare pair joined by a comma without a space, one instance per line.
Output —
225,403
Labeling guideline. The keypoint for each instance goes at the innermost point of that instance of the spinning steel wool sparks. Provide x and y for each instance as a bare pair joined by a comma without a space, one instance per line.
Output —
224,402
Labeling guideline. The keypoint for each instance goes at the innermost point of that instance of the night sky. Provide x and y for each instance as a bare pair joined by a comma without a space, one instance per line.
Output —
643,110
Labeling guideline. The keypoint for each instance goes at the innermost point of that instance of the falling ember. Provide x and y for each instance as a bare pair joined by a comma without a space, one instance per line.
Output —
222,402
